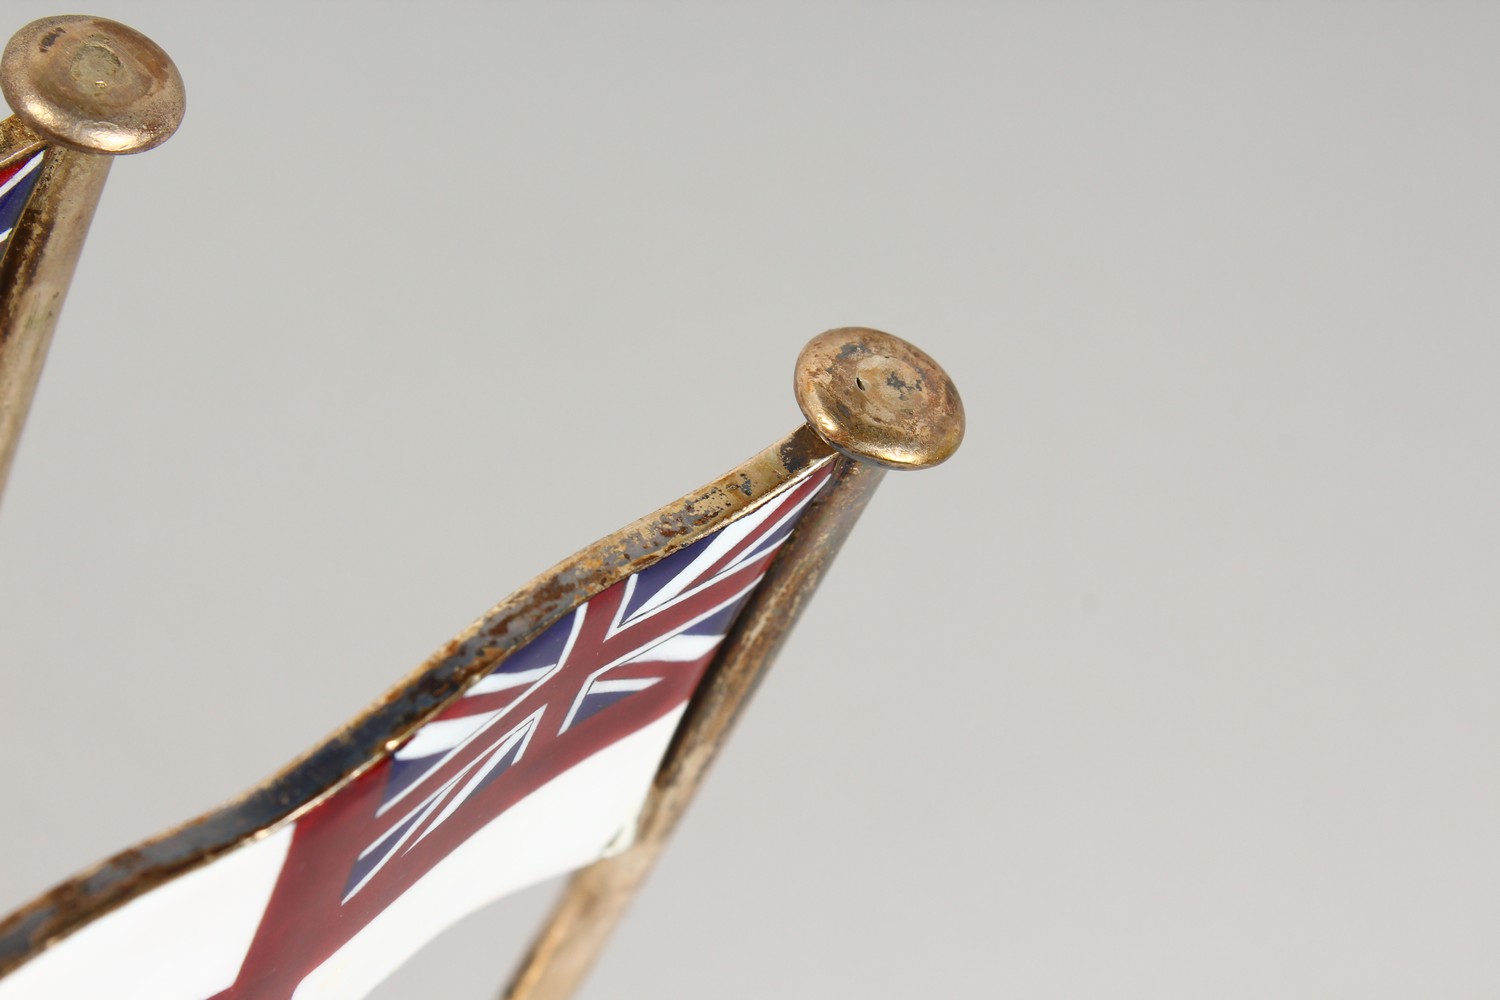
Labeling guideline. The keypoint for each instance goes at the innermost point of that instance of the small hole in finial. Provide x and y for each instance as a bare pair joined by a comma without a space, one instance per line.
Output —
859,382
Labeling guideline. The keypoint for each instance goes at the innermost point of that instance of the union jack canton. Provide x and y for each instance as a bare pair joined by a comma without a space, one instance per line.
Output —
16,182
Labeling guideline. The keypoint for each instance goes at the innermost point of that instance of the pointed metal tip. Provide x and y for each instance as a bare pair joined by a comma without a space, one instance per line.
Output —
878,399
92,84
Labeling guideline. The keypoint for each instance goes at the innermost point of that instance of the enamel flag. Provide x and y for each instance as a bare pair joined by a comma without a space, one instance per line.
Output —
539,768
16,182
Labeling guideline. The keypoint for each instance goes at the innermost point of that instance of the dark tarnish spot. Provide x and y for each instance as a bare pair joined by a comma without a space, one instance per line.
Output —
122,866
898,383
51,37
746,486
794,454
852,349
17,940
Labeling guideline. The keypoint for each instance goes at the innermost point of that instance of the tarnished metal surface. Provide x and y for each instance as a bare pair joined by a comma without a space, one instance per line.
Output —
877,398
81,87
92,84
34,276
17,141
442,679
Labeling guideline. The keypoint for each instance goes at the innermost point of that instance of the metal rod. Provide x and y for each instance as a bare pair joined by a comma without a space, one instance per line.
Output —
883,404
87,89
34,277
17,142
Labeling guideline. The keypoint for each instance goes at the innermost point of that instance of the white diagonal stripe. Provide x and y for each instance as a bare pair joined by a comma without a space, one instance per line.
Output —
640,654
444,734
567,649
623,684
778,509
683,648
504,682
521,734
31,165
712,553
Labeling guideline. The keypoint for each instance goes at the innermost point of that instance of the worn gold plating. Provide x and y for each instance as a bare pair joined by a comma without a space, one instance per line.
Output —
92,84
878,399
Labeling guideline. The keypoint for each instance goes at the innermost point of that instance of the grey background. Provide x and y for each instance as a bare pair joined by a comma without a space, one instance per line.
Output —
1178,681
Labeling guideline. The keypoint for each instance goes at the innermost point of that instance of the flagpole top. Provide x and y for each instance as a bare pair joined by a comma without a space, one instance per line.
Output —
878,399
92,84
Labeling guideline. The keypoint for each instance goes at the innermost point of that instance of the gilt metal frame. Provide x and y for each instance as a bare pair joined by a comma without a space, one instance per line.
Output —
872,402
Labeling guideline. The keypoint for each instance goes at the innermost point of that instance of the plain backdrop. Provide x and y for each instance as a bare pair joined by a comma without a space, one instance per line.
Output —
1178,681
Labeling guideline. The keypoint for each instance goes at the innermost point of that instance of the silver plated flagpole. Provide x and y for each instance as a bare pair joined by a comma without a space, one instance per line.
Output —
883,404
84,90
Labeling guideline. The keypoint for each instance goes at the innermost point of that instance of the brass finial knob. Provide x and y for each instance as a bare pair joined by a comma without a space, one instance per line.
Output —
92,84
878,399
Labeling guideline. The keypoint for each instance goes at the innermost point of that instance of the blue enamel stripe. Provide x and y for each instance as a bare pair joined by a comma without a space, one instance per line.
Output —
16,184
